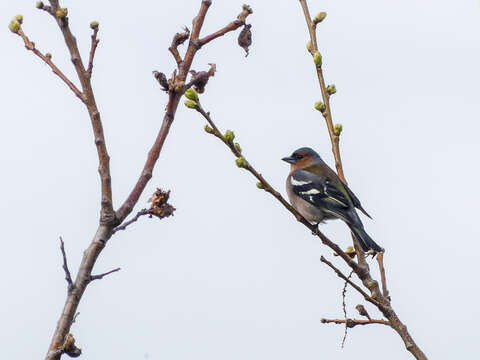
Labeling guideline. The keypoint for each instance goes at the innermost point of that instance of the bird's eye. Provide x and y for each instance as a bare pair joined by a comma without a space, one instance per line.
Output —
298,157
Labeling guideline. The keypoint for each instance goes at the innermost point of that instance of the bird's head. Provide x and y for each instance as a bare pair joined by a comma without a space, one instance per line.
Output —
301,158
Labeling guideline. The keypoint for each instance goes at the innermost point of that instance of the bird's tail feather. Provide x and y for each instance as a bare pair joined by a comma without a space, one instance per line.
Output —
366,242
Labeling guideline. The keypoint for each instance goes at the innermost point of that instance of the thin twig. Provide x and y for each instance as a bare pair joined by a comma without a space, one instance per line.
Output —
326,97
68,276
235,24
30,45
93,48
178,39
382,275
131,221
350,323
344,307
355,286
100,276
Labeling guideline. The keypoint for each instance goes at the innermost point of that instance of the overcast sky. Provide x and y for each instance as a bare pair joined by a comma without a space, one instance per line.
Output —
233,275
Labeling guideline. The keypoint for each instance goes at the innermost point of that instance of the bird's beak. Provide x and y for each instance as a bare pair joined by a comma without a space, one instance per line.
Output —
289,160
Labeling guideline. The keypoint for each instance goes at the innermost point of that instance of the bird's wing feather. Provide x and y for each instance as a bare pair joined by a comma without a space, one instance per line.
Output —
318,191
355,201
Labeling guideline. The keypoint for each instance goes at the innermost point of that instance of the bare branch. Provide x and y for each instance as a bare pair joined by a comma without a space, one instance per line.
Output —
100,276
131,221
382,275
178,40
93,47
327,114
350,323
68,276
30,45
355,286
240,21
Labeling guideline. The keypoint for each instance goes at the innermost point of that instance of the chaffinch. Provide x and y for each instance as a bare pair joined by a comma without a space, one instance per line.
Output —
318,194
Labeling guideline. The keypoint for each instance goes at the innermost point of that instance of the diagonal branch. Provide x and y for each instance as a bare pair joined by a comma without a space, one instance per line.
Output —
235,24
361,269
30,45
107,213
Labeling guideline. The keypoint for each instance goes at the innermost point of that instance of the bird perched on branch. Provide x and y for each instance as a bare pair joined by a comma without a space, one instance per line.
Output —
318,194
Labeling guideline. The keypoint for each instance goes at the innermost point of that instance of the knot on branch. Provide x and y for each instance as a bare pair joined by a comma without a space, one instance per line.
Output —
200,79
160,206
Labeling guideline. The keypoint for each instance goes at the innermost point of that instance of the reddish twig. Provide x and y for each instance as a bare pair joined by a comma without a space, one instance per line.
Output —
350,323
178,39
93,48
235,24
47,59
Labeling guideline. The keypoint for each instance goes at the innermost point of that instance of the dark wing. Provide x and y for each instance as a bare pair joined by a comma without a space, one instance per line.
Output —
355,201
321,193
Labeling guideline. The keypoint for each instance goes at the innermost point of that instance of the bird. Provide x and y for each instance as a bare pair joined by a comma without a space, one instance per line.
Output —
318,194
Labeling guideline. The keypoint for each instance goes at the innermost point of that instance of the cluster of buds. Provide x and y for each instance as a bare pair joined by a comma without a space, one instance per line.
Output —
192,101
229,136
16,23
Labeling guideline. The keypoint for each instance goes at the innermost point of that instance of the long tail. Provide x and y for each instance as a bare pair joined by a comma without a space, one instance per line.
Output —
366,242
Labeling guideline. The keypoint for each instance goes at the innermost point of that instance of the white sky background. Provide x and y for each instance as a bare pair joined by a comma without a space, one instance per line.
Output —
232,275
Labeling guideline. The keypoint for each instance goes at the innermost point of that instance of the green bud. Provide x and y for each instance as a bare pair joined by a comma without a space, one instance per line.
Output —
237,147
48,56
190,104
191,94
241,162
19,18
309,45
62,12
94,25
320,106
229,136
320,17
208,129
259,185
317,58
39,5
331,89
337,129
14,26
